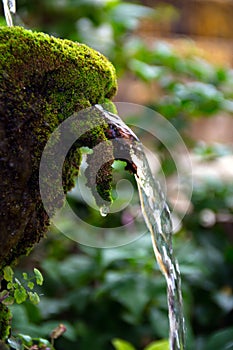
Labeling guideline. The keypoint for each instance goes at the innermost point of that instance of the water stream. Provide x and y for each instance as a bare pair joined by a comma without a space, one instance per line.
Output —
9,7
157,218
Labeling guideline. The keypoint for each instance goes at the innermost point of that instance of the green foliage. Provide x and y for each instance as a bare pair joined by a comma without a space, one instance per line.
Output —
104,298
39,277
19,291
190,86
120,344
120,292
158,345
22,342
8,274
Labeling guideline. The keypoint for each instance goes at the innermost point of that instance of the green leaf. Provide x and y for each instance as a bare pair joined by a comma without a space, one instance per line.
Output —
8,301
26,339
25,276
39,277
145,71
3,295
34,298
20,295
42,342
220,340
122,292
8,274
30,285
120,344
10,285
158,345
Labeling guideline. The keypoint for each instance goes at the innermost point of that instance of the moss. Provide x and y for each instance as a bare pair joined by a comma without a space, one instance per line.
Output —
43,81
5,319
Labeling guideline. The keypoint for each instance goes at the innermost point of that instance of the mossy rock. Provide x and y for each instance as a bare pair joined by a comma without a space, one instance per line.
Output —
43,81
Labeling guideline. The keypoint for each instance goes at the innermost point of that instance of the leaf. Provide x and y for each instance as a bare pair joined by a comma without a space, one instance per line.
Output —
30,285
158,345
26,339
39,277
3,295
8,301
10,285
8,274
145,71
220,340
128,15
120,344
34,298
134,301
20,295
25,276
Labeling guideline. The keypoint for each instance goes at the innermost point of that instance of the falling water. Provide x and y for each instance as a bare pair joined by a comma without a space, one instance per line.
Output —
9,9
157,217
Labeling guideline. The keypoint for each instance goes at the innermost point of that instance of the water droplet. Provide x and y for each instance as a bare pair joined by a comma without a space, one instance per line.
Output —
104,210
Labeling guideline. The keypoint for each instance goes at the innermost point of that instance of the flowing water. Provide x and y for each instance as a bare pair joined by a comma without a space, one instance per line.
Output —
9,10
158,221
157,218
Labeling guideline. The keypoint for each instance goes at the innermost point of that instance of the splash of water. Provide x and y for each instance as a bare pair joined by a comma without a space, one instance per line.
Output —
157,218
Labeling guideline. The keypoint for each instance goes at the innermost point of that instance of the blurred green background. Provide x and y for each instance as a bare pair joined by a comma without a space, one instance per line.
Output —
178,67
